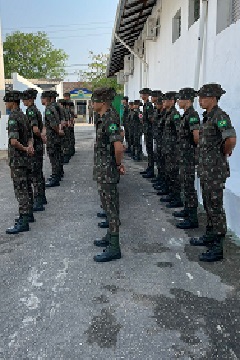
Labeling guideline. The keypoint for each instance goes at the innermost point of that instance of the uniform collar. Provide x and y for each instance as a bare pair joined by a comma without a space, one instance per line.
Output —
209,115
188,110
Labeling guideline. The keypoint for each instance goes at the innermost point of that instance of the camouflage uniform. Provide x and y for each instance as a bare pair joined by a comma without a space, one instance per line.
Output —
170,149
137,131
71,128
53,141
148,131
126,123
61,139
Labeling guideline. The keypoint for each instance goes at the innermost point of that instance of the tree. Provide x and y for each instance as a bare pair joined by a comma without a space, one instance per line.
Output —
95,75
32,56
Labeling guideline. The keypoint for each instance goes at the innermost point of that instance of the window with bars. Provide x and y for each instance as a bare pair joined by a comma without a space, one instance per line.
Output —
194,12
176,26
235,10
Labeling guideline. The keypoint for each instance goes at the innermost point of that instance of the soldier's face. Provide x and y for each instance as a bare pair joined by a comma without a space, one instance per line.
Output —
43,101
97,106
154,99
26,102
135,107
144,97
182,103
8,105
206,102
167,104
159,106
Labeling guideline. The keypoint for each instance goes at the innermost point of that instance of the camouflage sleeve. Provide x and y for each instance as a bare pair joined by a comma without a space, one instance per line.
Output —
194,122
13,130
113,131
53,116
224,125
33,117
176,117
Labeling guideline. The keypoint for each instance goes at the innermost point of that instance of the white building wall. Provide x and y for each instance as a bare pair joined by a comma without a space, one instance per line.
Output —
172,66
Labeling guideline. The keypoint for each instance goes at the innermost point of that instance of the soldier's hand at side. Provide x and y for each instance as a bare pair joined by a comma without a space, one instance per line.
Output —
61,132
44,138
121,169
30,150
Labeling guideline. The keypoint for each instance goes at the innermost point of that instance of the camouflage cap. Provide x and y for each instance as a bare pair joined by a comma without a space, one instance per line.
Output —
66,94
12,96
125,98
46,94
62,102
170,95
54,93
187,94
160,99
138,102
103,95
211,90
30,94
145,91
69,103
156,93
131,103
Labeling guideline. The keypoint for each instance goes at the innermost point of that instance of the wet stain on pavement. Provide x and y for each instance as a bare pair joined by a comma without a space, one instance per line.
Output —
164,264
212,326
103,330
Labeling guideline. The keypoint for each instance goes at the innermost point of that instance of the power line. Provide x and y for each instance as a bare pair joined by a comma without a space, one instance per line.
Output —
46,26
79,36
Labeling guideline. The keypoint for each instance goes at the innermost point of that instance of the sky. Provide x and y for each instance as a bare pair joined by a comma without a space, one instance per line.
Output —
76,26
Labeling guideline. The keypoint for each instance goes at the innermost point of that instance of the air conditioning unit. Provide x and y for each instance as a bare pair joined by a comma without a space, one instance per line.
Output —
120,77
151,28
139,47
128,64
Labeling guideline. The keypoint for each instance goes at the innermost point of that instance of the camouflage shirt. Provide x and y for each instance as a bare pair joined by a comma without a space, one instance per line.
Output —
214,130
190,121
148,112
171,131
51,120
35,119
125,115
108,132
19,129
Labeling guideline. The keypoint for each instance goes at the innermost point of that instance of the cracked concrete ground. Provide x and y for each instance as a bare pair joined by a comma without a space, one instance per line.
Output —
157,302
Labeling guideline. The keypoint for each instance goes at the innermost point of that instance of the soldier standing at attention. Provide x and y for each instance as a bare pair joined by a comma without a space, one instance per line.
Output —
67,97
217,139
160,182
171,150
35,119
154,99
20,146
148,131
188,138
125,122
109,154
137,130
52,123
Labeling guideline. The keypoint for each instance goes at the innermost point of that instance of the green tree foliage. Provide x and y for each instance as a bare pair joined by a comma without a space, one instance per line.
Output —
33,56
95,75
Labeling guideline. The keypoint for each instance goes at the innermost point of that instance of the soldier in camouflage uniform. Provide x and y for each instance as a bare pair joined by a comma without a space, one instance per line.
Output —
148,131
20,147
66,140
61,132
70,105
109,154
188,138
35,119
170,150
125,122
137,130
130,129
52,124
217,139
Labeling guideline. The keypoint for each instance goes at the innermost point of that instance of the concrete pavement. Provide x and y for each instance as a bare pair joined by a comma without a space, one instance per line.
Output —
157,302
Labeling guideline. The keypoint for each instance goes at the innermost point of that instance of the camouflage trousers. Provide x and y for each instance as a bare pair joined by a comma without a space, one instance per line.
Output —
22,184
67,139
72,139
54,154
110,202
172,174
149,148
38,179
212,194
187,177
137,146
161,162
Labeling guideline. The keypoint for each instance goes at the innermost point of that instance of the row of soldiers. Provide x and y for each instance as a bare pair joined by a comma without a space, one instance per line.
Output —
27,134
184,144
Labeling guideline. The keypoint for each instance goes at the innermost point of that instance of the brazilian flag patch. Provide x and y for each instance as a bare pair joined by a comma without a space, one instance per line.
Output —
11,122
113,127
193,120
176,116
48,112
31,113
222,123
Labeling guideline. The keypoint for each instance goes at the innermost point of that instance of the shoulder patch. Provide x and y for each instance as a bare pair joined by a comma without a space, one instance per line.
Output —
193,120
12,122
113,127
222,123
48,112
31,113
176,116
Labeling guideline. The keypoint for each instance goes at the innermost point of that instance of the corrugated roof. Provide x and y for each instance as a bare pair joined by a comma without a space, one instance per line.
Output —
130,19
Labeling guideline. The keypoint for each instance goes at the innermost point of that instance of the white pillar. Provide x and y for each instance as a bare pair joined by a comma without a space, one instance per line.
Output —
2,77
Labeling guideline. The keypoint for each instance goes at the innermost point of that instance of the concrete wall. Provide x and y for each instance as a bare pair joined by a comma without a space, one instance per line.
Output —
172,66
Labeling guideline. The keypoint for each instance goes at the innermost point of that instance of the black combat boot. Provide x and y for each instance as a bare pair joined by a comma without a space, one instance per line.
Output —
54,181
162,191
112,252
144,171
166,199
20,226
104,224
215,251
38,205
104,242
149,174
204,240
31,218
44,200
101,214
175,203
65,159
181,214
191,222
